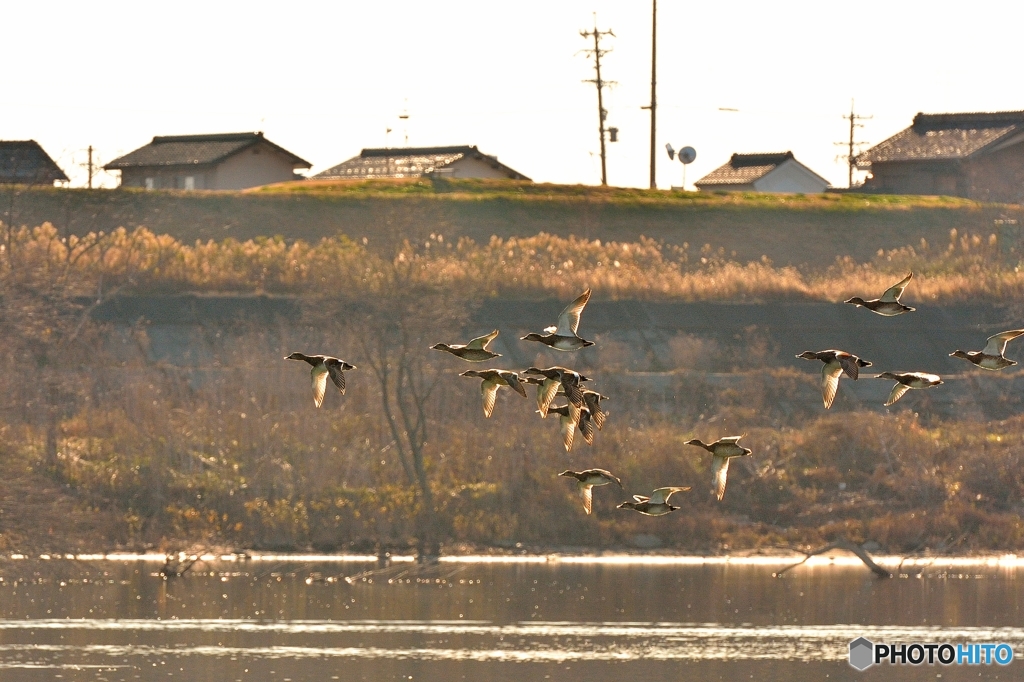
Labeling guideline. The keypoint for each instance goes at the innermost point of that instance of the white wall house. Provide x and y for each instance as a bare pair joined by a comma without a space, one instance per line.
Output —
777,173
222,161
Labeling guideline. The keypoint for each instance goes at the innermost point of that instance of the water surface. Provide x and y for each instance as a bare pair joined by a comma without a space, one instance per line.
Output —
307,618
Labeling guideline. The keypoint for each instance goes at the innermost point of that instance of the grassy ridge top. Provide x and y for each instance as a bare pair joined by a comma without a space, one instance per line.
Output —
475,189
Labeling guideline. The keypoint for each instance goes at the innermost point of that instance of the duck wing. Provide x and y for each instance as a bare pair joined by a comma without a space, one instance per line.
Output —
661,495
319,375
641,498
721,469
893,293
849,364
568,427
587,493
335,369
586,425
593,403
897,392
569,319
489,390
997,343
729,440
830,373
512,379
480,342
545,394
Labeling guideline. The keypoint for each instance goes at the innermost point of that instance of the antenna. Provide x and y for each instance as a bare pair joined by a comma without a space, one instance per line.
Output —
686,156
601,84
404,118
851,156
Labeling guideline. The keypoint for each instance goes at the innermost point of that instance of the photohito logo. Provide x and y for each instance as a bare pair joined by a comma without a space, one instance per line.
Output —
864,653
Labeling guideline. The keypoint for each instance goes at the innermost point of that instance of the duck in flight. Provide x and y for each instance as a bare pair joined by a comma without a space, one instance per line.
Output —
493,379
991,356
906,381
655,505
587,480
569,420
723,450
474,351
556,378
889,303
563,335
836,362
324,366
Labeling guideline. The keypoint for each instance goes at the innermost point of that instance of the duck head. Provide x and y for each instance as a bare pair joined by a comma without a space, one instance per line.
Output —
296,356
471,373
887,375
696,441
960,354
567,472
533,337
440,346
627,505
856,300
809,355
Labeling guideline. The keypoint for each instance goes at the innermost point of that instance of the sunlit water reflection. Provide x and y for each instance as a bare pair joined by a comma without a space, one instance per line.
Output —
276,618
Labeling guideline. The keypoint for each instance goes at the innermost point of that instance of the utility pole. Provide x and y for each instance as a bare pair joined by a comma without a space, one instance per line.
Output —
90,166
654,84
601,84
851,144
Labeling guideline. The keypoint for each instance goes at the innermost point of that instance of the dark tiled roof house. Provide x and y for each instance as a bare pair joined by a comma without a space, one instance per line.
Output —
773,172
413,162
224,161
25,162
974,155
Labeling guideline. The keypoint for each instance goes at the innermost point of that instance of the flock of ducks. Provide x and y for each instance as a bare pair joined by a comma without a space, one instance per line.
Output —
582,410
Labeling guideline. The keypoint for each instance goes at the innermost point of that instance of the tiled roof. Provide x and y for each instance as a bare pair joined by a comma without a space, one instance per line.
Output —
935,137
24,161
743,169
194,150
408,162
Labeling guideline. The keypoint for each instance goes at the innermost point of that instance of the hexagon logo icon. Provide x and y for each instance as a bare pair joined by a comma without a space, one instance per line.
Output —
862,653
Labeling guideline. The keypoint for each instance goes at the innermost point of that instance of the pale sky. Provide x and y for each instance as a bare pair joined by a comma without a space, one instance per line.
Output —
324,80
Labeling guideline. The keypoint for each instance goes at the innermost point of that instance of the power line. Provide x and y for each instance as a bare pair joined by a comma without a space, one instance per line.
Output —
597,52
852,144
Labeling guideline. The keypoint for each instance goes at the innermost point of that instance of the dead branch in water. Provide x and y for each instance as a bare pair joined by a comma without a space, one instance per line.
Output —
841,543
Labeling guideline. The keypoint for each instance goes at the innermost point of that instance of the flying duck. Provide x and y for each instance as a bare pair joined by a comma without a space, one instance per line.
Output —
906,381
723,450
655,505
563,335
492,380
836,362
474,351
889,304
324,366
991,356
586,480
555,378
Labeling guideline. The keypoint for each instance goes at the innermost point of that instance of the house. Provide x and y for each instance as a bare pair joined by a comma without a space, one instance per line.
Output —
413,162
224,161
775,172
974,155
24,162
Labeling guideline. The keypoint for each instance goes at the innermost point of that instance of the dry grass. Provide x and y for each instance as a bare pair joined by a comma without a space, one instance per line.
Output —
967,267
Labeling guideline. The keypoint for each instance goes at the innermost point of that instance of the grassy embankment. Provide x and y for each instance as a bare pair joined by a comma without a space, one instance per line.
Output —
152,455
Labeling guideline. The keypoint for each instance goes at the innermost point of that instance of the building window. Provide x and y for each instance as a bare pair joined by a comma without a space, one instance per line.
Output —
149,183
190,182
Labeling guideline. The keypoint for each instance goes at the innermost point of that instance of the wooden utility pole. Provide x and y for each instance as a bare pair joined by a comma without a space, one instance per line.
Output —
654,86
601,84
90,166
851,155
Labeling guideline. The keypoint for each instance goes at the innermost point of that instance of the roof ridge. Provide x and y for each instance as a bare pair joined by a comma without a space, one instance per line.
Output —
759,159
418,151
215,137
957,120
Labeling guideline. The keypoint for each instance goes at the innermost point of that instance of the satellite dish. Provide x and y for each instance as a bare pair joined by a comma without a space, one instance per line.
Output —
687,155
671,152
